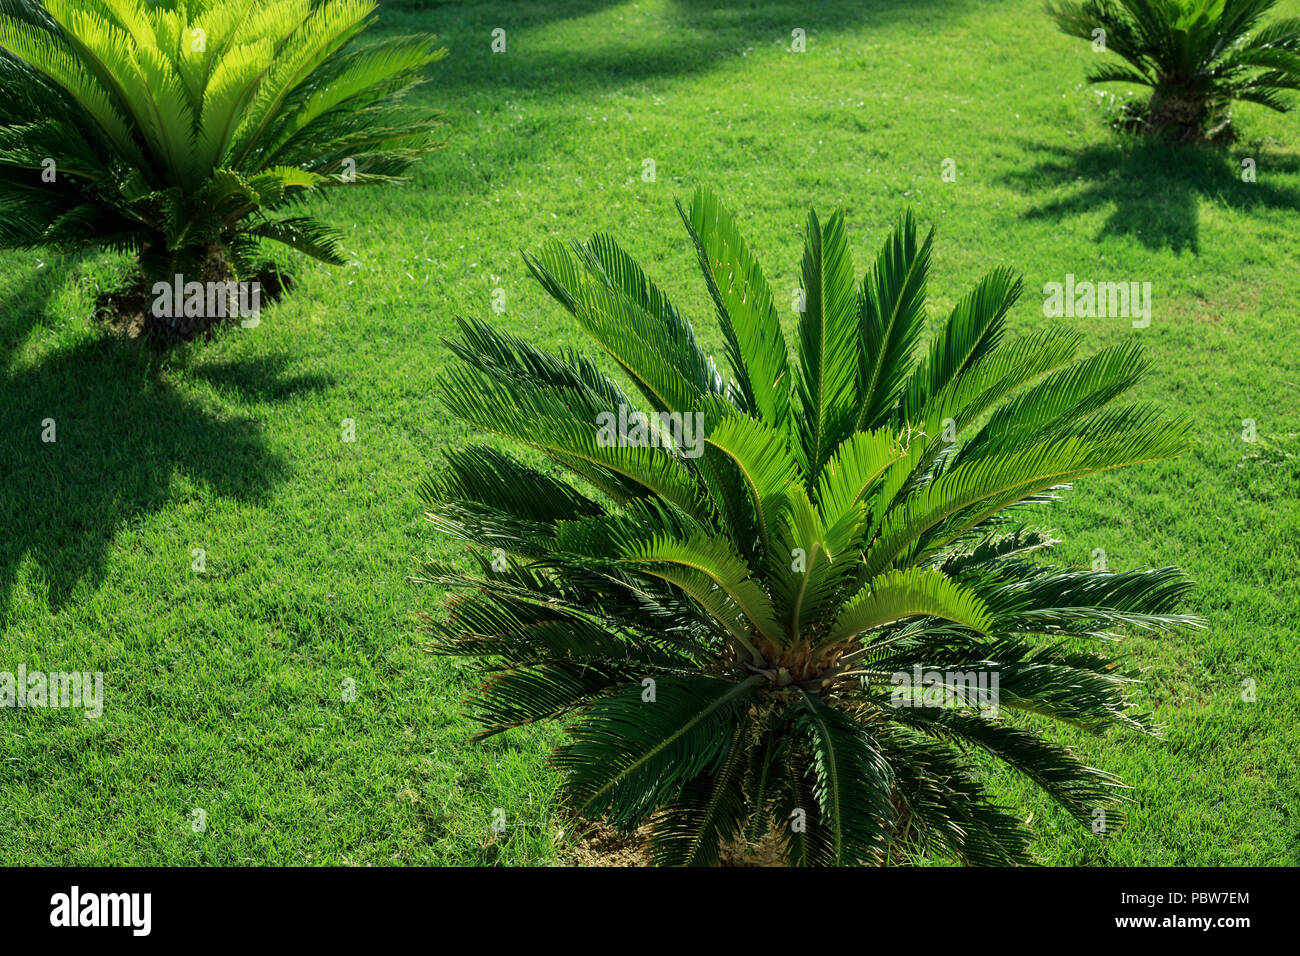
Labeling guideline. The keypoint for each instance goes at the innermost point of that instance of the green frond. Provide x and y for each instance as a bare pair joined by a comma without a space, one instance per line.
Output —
1088,603
1061,397
768,469
828,562
853,471
852,785
756,348
941,797
709,812
972,331
709,569
304,234
631,753
1113,73
553,689
828,344
483,474
631,319
905,593
891,319
1079,789
974,490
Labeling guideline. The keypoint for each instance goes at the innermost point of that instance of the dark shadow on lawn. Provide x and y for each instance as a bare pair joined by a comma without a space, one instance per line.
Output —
1154,190
697,36
23,308
264,379
549,57
122,436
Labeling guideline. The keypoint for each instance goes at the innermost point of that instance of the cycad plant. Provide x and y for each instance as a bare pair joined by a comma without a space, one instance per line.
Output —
1197,56
790,600
186,131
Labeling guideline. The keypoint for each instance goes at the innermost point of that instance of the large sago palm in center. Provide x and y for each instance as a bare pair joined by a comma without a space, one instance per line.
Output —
793,599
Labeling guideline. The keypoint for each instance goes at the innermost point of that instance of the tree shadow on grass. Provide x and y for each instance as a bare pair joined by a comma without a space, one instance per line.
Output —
263,379
23,307
123,436
1153,190
696,36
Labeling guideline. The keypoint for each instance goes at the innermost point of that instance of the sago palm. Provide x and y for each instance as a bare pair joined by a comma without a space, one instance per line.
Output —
1197,56
727,582
187,131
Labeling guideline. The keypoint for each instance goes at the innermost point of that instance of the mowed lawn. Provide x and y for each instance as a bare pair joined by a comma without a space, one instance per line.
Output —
227,690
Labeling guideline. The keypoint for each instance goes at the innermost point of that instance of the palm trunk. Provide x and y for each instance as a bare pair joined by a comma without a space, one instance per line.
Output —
164,323
1178,114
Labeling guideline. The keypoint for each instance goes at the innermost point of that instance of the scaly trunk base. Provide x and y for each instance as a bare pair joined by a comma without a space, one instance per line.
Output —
1185,118
164,327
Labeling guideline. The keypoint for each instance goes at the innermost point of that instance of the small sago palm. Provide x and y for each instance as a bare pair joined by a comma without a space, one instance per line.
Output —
729,582
1197,56
186,132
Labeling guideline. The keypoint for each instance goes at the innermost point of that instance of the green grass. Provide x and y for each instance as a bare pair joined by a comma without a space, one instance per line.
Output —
224,689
